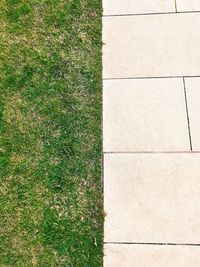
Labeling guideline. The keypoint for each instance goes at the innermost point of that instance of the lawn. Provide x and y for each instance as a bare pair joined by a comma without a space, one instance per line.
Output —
50,133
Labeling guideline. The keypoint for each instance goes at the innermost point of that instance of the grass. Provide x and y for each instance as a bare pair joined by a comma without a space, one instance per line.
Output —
50,133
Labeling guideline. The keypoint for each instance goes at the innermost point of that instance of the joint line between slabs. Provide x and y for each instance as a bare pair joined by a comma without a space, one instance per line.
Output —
176,6
151,244
135,14
151,152
187,112
153,77
150,14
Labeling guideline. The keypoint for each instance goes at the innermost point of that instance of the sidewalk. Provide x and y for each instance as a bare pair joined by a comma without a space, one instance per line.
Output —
151,122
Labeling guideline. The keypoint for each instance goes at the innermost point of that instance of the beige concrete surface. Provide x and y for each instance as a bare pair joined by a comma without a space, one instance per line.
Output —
151,256
187,5
151,46
117,7
151,133
145,115
152,198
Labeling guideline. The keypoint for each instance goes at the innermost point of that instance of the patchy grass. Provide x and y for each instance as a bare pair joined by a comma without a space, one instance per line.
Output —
50,133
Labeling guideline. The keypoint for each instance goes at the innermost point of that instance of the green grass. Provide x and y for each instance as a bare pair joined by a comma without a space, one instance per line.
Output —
50,133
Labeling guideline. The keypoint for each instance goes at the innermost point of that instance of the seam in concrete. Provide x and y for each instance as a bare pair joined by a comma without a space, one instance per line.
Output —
153,77
187,112
152,152
176,6
151,14
151,244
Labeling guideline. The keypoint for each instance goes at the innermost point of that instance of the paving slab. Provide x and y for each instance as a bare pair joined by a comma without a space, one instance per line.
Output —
117,7
145,115
188,5
151,46
151,256
152,198
193,99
